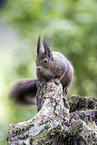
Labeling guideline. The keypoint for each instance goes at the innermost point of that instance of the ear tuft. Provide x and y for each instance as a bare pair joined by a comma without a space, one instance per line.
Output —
39,46
46,43
47,48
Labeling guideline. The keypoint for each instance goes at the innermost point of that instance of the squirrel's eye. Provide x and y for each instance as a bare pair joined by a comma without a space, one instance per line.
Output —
45,61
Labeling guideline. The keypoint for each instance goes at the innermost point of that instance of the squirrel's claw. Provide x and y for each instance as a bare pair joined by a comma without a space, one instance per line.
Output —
40,83
65,90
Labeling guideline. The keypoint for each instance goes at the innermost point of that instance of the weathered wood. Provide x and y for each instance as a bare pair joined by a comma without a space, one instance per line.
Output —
56,123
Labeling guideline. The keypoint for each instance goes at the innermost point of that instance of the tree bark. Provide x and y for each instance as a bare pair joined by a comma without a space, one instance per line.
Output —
57,121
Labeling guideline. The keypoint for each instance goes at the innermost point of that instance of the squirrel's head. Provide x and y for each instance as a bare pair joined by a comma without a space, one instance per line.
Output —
44,55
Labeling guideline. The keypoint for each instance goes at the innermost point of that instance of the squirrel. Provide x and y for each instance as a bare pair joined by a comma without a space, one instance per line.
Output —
49,65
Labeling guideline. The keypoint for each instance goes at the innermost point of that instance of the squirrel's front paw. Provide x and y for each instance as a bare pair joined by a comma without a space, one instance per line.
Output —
65,90
40,83
56,81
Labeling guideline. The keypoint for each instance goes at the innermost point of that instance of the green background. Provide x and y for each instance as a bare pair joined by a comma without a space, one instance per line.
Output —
71,27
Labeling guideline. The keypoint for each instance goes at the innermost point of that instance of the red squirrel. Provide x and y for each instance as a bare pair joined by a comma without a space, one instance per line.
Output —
49,65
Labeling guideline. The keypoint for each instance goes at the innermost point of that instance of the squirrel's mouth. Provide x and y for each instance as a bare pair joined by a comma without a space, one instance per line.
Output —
40,68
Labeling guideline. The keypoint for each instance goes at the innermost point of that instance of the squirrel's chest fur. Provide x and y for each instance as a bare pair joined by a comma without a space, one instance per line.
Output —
48,74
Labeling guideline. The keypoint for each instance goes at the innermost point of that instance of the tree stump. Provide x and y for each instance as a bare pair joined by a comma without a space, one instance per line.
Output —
57,123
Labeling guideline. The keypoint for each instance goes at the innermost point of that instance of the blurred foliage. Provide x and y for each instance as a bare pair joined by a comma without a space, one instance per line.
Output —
71,27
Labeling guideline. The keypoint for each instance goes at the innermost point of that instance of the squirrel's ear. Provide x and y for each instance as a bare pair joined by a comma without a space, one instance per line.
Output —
39,46
47,48
49,53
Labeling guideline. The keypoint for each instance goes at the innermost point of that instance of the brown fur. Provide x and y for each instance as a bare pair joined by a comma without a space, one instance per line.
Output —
23,90
50,65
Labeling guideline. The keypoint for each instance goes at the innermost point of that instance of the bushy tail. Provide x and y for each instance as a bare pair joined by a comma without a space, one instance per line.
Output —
24,91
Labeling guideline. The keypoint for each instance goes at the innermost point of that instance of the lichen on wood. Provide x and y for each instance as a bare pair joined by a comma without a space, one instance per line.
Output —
57,123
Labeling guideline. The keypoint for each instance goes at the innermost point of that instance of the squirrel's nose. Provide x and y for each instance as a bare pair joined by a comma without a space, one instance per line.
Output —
38,68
